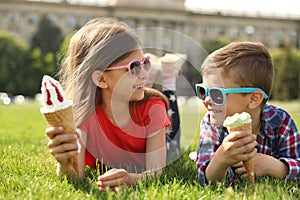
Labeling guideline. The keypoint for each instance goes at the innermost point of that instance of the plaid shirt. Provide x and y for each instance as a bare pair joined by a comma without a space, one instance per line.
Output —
278,137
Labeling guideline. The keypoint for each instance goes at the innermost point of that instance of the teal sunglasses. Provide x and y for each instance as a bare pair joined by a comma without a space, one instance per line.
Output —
218,95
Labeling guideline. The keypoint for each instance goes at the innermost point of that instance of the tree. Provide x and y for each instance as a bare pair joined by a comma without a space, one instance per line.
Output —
211,45
21,69
63,48
40,65
48,37
286,85
13,52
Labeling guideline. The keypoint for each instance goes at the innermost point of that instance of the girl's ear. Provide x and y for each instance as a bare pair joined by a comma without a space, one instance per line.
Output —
99,80
255,99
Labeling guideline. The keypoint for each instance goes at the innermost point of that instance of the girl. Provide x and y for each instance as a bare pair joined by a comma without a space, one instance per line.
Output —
121,124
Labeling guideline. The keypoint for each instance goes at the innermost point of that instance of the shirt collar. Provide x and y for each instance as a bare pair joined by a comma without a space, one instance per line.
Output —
271,116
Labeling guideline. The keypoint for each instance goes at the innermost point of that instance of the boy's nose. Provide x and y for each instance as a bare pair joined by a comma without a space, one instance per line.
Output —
207,101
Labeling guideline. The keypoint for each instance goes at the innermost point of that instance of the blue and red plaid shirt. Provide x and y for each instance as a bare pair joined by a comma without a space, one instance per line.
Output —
278,137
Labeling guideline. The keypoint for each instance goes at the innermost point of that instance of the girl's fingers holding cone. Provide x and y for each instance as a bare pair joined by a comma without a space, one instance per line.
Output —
63,139
64,158
64,152
66,147
52,131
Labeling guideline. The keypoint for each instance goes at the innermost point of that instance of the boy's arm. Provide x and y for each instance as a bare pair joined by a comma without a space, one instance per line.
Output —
215,171
284,162
237,146
268,165
289,149
207,143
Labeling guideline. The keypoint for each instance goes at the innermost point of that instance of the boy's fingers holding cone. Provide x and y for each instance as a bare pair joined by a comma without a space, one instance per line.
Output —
242,122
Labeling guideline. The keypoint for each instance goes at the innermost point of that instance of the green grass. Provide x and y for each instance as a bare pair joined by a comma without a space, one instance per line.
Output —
27,169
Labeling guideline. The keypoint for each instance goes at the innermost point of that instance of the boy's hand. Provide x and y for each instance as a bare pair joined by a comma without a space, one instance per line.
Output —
236,147
240,169
260,165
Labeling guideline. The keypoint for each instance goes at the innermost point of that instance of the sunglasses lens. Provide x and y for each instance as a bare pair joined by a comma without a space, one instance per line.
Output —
147,64
135,68
201,93
216,96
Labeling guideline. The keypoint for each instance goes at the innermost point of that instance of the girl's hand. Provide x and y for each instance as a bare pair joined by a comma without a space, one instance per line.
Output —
237,146
114,178
63,146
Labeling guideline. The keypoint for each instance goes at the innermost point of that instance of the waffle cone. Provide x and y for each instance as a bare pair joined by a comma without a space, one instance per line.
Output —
249,164
64,118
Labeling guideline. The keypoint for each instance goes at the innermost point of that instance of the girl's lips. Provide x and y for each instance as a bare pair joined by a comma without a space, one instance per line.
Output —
139,86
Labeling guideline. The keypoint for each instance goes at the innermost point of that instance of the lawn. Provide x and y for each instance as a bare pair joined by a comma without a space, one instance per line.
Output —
27,169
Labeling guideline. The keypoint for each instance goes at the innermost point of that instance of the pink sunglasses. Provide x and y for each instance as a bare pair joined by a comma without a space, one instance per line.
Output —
135,66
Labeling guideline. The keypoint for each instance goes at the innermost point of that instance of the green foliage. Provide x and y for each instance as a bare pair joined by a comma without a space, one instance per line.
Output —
27,169
40,64
287,74
13,54
64,47
213,44
48,37
21,69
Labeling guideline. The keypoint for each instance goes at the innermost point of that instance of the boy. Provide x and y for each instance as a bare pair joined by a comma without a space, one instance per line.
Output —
238,78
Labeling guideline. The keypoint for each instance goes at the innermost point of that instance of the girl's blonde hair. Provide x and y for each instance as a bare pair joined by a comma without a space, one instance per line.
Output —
97,45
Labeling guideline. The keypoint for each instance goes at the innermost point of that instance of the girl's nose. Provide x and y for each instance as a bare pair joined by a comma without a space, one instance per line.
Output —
144,74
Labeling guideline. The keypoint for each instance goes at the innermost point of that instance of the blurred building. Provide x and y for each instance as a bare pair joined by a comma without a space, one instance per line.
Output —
176,28
21,17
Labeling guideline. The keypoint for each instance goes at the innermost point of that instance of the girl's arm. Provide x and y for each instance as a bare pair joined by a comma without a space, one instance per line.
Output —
155,161
156,152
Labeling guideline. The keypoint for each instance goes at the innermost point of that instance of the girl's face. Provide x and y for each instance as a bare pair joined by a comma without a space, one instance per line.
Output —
235,103
124,86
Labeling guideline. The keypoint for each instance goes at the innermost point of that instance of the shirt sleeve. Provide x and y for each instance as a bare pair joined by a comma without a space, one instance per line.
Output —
158,116
206,148
289,150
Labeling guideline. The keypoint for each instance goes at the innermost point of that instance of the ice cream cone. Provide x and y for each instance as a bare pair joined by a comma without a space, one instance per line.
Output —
58,111
249,164
65,119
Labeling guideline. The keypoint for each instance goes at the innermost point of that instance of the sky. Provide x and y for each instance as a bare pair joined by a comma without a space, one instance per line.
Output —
266,7
280,8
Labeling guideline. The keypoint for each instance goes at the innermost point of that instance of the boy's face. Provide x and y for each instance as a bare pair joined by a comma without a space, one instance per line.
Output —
235,103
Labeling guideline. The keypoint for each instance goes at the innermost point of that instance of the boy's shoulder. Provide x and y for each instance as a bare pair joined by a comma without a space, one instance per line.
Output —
274,115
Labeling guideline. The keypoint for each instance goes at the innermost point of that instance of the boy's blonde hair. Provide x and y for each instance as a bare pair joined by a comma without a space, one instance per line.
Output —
250,64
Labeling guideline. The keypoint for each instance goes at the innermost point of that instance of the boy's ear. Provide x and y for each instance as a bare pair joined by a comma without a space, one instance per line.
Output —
255,99
99,79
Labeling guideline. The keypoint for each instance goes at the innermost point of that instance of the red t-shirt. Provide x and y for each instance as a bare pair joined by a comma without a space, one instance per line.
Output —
123,147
